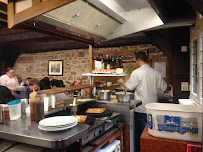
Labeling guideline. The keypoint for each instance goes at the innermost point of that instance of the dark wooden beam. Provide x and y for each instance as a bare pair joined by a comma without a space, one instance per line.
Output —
162,43
51,30
157,8
196,5
20,37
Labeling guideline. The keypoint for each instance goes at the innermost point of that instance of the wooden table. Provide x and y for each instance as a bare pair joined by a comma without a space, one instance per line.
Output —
149,143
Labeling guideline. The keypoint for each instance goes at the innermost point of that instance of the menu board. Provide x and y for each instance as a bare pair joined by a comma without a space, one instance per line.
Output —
160,67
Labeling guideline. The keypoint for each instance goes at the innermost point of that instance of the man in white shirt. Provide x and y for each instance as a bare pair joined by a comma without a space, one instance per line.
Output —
145,81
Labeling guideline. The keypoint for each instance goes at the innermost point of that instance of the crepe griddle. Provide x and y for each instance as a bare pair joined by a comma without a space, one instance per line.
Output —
89,120
107,112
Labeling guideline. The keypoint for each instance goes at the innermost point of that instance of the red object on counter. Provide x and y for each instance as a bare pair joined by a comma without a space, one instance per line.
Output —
194,148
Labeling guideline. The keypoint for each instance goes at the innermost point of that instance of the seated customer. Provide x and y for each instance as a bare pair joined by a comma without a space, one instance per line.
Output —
33,85
27,81
61,83
5,95
60,96
44,84
10,81
77,92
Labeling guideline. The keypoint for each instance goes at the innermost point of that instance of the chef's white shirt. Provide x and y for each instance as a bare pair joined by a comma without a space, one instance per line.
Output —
145,81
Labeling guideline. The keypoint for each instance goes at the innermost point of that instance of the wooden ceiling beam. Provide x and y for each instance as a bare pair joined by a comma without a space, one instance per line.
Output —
36,10
21,37
158,9
196,5
55,33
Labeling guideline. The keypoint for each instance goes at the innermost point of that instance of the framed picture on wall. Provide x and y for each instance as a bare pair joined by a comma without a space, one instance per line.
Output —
55,67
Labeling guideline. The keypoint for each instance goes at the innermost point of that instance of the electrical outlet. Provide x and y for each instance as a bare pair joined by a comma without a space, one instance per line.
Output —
184,86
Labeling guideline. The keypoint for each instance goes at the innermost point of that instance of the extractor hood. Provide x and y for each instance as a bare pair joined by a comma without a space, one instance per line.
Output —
101,19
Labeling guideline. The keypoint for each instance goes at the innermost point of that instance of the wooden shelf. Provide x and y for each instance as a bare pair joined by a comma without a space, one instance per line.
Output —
64,89
104,75
124,61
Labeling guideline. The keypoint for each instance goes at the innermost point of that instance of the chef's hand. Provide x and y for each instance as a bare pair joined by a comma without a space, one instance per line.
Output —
121,81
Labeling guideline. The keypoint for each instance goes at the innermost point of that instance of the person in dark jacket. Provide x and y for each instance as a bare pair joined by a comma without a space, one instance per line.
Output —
44,84
5,95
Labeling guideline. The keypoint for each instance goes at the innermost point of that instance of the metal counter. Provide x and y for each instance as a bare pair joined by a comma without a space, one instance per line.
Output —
25,131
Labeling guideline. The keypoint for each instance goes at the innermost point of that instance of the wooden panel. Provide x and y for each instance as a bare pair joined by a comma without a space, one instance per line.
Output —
64,89
90,58
127,138
35,10
10,13
35,2
90,65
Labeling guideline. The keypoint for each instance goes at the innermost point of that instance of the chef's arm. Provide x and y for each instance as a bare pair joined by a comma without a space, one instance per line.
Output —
121,81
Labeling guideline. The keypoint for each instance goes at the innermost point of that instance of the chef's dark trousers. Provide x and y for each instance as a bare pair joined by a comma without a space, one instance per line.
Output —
140,123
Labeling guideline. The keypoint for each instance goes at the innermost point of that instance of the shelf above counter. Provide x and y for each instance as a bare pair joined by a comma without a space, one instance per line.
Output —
107,87
64,89
104,75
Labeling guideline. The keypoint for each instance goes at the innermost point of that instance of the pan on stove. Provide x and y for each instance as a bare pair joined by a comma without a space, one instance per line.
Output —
89,120
106,113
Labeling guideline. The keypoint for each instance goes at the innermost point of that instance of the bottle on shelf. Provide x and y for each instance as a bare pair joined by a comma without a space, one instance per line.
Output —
107,62
102,60
120,62
113,62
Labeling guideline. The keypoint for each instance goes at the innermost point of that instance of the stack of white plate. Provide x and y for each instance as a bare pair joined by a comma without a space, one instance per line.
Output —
58,123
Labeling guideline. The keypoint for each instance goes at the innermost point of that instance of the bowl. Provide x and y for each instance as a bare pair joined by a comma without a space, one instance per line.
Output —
104,94
124,97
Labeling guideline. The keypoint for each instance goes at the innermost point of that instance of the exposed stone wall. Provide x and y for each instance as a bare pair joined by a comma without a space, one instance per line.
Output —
75,62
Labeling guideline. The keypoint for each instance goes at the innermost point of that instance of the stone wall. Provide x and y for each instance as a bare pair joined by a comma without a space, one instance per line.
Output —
75,62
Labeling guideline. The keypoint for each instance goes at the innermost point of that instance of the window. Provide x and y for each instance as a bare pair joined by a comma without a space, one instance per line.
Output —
194,67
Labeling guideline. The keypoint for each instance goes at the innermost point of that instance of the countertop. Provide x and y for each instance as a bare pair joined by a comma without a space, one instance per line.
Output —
25,131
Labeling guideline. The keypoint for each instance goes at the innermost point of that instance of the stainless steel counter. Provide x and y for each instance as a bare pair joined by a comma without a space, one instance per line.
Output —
25,131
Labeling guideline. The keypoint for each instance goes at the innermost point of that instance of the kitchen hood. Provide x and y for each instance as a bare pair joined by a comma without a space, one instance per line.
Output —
99,19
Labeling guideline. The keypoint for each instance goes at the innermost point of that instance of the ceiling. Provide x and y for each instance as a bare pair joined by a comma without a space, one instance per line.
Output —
21,39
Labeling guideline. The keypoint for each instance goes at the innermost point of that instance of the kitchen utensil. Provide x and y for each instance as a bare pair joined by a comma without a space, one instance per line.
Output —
104,94
73,109
14,109
124,97
24,105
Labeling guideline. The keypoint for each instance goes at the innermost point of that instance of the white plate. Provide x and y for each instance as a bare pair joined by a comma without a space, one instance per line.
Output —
58,121
56,129
41,126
